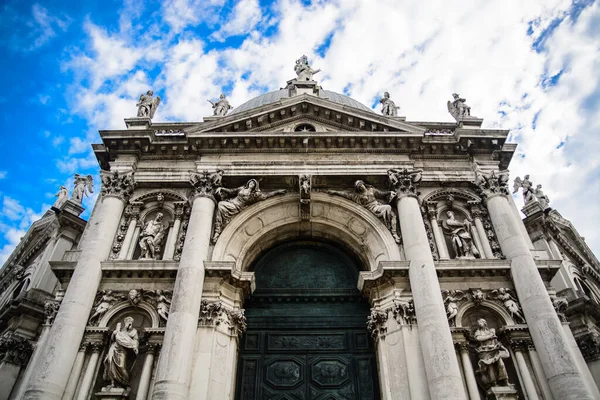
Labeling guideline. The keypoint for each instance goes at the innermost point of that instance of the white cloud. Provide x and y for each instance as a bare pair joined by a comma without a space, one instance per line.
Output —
44,26
244,17
180,14
3,174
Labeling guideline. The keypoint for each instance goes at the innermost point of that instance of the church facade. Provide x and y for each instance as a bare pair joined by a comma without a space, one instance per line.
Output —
301,246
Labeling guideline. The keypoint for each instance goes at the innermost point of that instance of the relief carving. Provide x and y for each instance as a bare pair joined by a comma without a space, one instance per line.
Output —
151,238
105,300
377,323
510,303
117,184
491,183
15,349
404,312
452,299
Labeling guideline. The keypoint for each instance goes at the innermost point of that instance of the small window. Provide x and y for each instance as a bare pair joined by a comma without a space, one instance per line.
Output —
305,128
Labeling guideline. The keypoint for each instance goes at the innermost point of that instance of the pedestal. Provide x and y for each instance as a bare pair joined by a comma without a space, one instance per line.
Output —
138,123
502,393
113,393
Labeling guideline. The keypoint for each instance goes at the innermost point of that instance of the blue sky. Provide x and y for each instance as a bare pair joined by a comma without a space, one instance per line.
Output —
72,68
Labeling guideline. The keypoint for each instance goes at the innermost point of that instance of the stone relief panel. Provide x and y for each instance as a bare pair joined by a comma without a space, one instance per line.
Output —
214,313
401,309
109,301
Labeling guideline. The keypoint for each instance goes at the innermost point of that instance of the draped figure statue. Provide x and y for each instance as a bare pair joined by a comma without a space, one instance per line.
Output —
460,236
119,359
492,371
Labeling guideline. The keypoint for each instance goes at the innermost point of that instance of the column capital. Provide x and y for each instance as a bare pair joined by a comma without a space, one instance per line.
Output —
15,349
96,347
491,184
133,209
462,346
179,209
405,181
115,184
205,183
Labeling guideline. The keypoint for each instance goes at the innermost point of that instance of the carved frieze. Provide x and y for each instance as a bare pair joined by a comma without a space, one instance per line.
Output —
589,344
160,300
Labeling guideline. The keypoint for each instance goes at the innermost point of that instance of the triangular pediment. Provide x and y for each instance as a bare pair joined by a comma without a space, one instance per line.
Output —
324,114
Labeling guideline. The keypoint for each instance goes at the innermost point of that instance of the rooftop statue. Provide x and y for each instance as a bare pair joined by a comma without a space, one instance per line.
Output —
147,105
530,194
303,70
84,186
458,108
388,106
221,107
62,196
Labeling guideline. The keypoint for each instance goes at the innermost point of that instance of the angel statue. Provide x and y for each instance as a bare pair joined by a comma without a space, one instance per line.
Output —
458,108
103,304
147,105
451,299
62,196
528,192
121,355
151,238
303,70
221,107
84,186
510,303
233,201
388,106
163,303
369,197
460,236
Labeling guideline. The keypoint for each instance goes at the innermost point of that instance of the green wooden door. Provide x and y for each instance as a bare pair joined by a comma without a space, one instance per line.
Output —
306,336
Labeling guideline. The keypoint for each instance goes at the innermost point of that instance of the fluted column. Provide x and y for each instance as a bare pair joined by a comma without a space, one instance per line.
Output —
145,377
90,371
468,371
175,363
75,372
441,364
134,215
485,249
437,233
563,374
528,384
50,376
173,233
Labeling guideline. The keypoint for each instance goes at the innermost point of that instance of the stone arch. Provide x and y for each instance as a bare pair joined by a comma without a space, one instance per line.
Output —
492,307
445,192
332,218
169,195
145,306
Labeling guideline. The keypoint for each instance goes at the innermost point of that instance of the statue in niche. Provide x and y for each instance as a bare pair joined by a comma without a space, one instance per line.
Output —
460,236
303,70
221,107
233,201
84,186
541,197
491,353
528,191
151,238
119,359
510,303
62,197
105,301
388,107
368,197
147,105
458,108
451,300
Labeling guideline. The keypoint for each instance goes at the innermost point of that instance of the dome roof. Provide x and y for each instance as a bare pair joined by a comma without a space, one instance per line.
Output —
277,95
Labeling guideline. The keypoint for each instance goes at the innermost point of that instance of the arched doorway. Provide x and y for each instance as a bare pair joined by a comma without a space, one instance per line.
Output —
306,336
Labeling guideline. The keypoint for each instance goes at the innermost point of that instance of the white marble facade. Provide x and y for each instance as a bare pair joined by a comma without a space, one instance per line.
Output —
149,280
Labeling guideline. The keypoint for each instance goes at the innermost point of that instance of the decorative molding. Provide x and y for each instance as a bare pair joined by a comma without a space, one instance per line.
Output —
377,323
205,183
492,183
117,184
15,349
405,181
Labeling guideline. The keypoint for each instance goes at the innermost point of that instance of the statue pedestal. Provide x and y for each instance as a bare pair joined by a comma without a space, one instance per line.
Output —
533,207
470,122
70,206
502,393
108,393
138,123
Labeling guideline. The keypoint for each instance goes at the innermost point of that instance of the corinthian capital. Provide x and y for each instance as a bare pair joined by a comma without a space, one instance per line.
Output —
405,181
117,184
205,183
491,183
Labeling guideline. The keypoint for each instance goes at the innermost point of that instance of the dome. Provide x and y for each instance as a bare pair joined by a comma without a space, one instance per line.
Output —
277,95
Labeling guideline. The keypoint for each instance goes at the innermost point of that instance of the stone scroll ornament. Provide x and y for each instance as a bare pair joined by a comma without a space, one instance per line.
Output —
531,195
371,198
233,201
147,105
117,184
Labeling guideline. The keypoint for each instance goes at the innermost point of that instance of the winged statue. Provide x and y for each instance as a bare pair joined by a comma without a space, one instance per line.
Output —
147,105
527,186
451,299
458,108
510,303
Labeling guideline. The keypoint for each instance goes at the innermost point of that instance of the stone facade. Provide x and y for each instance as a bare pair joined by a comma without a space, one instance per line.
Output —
467,300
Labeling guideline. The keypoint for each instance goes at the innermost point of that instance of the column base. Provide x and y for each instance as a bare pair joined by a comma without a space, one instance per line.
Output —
502,393
108,393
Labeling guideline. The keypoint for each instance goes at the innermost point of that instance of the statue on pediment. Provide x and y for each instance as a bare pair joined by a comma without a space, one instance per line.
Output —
388,107
304,70
147,105
221,107
62,197
458,108
84,186
541,197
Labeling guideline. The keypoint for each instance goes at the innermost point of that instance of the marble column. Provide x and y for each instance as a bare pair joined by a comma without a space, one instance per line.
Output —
538,370
134,214
87,382
146,375
75,373
173,233
437,232
528,384
441,364
563,374
485,243
175,363
134,241
49,378
468,371
33,360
